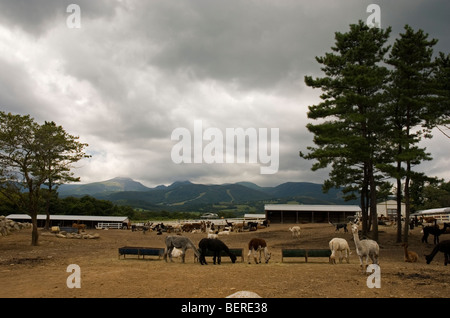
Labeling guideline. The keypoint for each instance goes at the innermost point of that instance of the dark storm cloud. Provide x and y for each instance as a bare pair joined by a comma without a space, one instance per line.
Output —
136,70
257,44
37,17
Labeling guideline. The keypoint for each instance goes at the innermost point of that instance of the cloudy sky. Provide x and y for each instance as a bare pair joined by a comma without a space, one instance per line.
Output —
135,71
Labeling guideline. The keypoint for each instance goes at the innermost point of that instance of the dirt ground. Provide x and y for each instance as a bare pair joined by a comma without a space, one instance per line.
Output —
41,271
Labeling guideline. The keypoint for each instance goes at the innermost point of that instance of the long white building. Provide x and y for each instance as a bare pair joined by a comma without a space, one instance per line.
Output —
91,221
297,213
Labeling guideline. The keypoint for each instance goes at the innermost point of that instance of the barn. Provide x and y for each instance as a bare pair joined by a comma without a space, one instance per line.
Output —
389,209
91,221
295,213
441,215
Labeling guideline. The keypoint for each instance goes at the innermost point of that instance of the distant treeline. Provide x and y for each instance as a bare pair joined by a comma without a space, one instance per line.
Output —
88,205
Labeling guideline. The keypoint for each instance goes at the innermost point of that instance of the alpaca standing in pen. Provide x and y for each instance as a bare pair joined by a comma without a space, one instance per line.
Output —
339,245
258,245
216,246
365,248
443,247
295,230
180,242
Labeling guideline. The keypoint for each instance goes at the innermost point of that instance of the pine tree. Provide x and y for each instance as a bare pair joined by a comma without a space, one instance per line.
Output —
351,113
412,94
441,119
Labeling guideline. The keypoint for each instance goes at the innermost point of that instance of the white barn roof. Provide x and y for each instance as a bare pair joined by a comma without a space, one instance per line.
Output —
70,217
311,207
254,216
433,211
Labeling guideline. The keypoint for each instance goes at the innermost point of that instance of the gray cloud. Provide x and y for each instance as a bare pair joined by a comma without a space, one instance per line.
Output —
38,17
137,70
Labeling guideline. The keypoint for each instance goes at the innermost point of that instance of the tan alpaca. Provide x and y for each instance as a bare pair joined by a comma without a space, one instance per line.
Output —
410,257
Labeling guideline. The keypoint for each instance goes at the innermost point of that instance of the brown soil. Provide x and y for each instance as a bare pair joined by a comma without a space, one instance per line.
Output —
40,271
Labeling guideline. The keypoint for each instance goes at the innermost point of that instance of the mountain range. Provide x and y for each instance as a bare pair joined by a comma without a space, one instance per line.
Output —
185,194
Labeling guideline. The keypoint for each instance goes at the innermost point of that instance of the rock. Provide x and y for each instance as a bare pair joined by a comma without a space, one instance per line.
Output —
244,294
7,226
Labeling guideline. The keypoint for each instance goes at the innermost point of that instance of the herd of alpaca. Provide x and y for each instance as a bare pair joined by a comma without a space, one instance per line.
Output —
176,246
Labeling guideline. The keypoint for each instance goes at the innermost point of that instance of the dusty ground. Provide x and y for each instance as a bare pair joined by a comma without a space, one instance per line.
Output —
27,271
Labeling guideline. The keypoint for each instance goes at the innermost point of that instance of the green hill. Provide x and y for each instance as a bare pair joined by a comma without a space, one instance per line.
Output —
185,195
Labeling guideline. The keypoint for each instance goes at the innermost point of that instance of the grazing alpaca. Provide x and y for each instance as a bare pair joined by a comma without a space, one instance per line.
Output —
180,242
410,257
365,248
443,247
339,226
258,245
216,246
212,235
176,252
435,231
295,230
339,245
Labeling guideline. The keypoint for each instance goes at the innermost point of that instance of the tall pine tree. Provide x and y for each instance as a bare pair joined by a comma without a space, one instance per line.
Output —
351,117
413,95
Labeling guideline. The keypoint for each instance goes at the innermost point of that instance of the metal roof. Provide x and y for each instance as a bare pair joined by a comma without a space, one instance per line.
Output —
254,216
70,217
312,207
433,211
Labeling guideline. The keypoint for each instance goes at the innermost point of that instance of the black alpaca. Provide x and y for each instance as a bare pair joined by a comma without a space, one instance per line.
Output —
435,231
443,247
340,226
216,246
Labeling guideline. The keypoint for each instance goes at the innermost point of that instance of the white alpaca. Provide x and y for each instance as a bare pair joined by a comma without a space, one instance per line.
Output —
176,252
212,235
295,230
365,248
339,245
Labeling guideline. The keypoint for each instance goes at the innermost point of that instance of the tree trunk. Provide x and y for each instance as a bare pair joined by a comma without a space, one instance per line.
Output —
373,203
407,202
34,233
47,206
399,203
364,203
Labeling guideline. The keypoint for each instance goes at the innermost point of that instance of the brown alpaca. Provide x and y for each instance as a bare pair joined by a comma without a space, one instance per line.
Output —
410,257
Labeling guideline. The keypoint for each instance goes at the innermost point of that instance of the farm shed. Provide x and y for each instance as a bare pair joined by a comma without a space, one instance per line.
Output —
389,208
91,221
295,213
442,215
251,216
